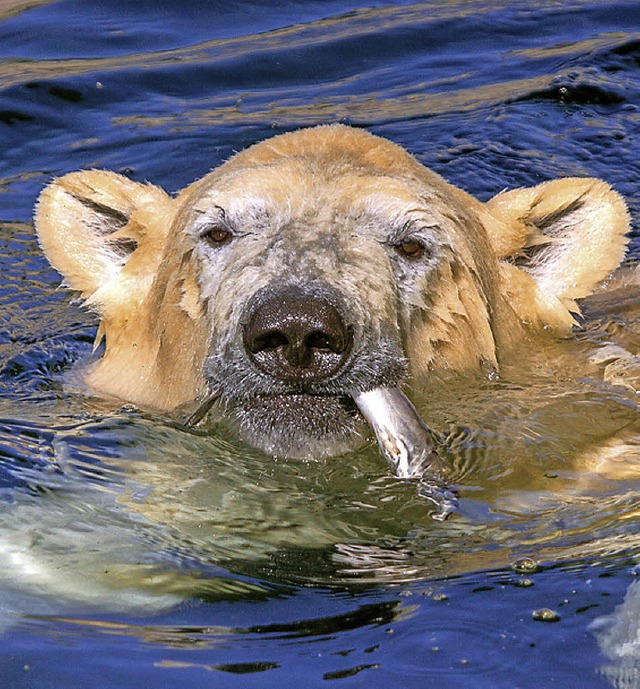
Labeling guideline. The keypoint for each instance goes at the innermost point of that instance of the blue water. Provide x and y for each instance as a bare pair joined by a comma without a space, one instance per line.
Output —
117,571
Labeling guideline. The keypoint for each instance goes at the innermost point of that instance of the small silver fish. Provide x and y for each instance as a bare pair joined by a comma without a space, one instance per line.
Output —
404,439
407,444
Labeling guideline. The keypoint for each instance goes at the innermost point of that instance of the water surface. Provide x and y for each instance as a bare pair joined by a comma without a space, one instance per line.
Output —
136,553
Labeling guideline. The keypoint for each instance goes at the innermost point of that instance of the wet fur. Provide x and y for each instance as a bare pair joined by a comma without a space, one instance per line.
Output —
324,209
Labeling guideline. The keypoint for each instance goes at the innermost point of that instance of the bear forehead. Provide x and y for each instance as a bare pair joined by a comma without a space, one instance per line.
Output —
323,173
289,190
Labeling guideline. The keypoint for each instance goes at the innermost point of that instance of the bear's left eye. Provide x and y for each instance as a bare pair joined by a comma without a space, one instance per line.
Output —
411,248
217,235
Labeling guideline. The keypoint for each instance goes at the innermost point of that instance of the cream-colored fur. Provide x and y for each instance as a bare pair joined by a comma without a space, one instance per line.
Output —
325,203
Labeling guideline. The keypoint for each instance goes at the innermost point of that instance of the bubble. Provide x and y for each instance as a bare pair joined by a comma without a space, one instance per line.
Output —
525,565
524,583
545,615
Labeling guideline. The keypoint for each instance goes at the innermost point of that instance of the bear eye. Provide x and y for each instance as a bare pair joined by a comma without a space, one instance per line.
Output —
217,235
411,248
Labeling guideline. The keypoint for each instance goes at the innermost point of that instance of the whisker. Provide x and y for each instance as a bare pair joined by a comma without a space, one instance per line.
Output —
202,410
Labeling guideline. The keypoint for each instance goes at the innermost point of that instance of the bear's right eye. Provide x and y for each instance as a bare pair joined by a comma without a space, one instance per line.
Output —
216,235
411,248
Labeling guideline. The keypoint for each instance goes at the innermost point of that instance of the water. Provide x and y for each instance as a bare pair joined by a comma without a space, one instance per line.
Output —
136,553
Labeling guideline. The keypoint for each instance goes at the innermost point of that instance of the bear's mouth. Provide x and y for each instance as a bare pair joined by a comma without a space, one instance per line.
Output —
297,408
299,423
307,404
303,424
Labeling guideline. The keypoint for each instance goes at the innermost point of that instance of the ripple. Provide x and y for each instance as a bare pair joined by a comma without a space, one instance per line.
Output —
211,559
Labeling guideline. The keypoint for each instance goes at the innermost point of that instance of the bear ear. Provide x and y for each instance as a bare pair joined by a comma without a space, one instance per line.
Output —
90,222
567,234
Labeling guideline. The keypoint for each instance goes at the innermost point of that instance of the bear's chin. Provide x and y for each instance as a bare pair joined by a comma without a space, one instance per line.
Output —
299,425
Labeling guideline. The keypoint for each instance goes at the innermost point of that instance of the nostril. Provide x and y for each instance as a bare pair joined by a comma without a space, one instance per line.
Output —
325,342
269,340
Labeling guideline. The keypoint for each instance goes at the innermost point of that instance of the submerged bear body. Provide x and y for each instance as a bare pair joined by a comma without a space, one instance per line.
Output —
314,267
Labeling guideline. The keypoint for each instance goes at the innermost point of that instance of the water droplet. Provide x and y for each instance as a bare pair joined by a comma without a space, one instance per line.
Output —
525,565
545,615
525,583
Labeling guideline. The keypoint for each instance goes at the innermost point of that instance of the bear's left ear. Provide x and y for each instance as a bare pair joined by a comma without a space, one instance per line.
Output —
90,223
568,235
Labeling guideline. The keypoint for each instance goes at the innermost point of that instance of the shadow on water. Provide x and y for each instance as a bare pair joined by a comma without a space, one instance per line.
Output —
145,554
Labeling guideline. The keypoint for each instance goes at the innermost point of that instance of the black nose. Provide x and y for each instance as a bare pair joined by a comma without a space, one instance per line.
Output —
293,334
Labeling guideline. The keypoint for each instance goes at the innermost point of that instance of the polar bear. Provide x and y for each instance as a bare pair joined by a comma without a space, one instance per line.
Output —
312,268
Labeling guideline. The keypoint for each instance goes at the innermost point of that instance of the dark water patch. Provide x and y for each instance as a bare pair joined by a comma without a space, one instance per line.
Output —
584,94
62,92
12,117
245,668
631,48
66,94
364,616
622,59
349,672
41,366
118,28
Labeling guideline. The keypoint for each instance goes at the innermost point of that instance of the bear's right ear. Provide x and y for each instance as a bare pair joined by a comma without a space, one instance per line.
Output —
90,222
